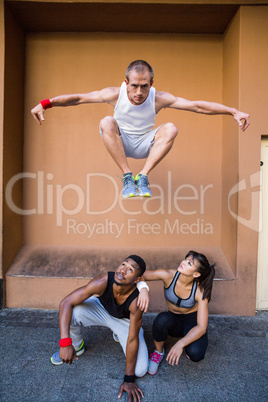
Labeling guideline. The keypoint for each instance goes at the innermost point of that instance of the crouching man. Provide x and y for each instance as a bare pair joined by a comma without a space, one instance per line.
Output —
115,306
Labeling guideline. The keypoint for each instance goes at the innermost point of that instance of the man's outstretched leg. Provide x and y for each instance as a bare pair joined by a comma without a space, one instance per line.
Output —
163,142
114,145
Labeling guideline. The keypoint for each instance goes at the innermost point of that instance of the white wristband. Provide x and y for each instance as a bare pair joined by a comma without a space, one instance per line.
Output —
141,285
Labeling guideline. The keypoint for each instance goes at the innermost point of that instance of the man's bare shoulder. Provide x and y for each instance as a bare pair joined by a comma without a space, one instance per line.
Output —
101,277
110,94
163,99
98,284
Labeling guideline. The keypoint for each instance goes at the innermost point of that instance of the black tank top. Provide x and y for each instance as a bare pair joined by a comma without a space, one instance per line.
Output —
109,303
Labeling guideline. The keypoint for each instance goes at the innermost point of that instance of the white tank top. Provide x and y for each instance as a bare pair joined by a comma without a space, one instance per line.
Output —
135,119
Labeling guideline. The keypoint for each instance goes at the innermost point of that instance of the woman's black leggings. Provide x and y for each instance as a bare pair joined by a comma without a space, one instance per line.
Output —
178,325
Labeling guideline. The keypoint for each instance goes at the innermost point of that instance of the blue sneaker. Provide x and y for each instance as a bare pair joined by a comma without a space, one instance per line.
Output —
129,186
143,185
56,360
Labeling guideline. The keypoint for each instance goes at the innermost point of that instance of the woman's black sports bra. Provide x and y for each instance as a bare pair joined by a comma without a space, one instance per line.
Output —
171,296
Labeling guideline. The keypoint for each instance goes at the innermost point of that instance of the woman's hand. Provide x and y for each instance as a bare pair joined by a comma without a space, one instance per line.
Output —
174,354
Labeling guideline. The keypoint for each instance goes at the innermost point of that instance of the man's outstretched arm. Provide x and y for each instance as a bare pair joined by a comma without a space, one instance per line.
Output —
78,296
167,100
106,95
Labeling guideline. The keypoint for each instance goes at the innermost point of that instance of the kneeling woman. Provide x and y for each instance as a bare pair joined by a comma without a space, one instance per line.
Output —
187,293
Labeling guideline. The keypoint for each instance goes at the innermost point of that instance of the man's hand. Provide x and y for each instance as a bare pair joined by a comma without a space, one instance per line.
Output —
174,354
67,354
133,391
242,119
38,113
143,300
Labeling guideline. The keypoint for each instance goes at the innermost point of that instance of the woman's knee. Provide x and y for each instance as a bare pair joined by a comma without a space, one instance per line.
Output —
195,353
160,326
162,319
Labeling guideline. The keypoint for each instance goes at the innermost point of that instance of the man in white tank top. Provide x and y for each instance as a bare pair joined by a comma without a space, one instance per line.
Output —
130,132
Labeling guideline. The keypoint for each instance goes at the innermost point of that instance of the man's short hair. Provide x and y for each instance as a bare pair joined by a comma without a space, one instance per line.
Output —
140,261
140,66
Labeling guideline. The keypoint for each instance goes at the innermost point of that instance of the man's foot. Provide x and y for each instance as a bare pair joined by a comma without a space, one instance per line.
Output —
129,186
56,360
155,360
143,185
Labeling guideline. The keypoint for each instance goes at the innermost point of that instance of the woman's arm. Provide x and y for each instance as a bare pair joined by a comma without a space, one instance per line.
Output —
159,274
164,275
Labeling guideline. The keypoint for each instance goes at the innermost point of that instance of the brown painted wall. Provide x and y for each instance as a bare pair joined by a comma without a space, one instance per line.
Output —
230,138
69,147
66,161
253,97
247,38
2,62
13,135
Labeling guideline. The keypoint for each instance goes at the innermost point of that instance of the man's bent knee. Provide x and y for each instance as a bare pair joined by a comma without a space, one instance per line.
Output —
171,130
168,131
141,370
108,124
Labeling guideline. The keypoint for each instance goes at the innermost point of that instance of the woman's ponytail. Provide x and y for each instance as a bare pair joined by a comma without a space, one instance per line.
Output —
207,273
206,283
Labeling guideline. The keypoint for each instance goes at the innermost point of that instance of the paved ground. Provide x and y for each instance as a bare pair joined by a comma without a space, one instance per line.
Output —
234,369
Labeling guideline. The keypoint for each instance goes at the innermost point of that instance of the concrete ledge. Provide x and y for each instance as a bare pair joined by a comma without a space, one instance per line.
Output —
36,292
41,276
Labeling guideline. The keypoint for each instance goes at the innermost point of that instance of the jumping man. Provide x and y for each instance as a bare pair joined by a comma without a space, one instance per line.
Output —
130,132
